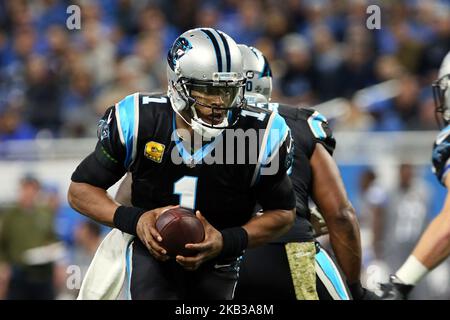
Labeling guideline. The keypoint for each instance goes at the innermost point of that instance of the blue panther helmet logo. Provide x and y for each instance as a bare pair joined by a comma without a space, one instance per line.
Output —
179,48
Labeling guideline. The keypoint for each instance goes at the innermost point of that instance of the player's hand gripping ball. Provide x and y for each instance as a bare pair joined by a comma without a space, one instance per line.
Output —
177,227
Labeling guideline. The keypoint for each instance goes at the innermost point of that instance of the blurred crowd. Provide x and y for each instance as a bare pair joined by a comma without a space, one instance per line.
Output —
45,250
55,82
392,219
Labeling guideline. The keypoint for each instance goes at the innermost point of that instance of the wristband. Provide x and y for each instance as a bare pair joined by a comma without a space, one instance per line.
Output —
235,240
126,218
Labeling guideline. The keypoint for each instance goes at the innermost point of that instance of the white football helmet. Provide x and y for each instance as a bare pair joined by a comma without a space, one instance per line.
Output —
441,91
258,88
206,80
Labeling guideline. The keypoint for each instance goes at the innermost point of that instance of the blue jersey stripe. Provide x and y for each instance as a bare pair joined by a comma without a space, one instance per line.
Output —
315,122
277,135
127,123
330,271
201,153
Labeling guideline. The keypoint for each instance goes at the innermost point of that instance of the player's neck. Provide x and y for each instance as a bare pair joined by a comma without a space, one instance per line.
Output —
186,134
183,128
190,139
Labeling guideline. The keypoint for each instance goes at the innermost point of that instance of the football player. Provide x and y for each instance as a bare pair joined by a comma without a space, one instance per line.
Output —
155,138
434,245
295,259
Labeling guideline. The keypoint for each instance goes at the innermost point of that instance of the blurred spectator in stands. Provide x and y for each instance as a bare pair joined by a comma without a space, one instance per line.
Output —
318,50
296,84
372,211
357,68
327,57
49,13
130,78
400,112
355,119
43,96
5,271
57,51
409,203
153,20
78,110
88,235
13,126
16,53
28,244
388,67
436,50
408,49
277,25
246,25
5,274
98,52
147,56
207,15
181,14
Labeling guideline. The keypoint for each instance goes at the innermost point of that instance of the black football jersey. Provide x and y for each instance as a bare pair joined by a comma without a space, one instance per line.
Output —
308,127
138,135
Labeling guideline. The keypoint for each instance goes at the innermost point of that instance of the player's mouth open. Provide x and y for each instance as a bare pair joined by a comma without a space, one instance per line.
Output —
213,118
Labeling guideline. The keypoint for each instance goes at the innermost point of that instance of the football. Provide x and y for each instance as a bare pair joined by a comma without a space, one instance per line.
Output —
178,227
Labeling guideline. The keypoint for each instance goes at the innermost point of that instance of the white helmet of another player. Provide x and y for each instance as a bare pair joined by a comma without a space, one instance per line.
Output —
206,80
441,90
258,88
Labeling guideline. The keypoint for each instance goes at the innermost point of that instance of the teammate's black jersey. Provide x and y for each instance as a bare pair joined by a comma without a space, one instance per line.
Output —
308,127
138,135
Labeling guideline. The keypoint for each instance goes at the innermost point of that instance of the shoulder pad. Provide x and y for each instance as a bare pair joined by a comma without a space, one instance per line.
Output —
318,127
151,99
316,122
128,116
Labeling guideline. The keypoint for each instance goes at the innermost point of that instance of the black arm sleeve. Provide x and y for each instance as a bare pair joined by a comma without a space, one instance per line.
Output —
105,166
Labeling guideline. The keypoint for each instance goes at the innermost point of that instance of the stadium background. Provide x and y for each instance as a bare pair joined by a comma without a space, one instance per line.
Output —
373,85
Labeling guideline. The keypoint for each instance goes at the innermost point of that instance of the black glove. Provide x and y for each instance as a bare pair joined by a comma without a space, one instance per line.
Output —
360,293
395,289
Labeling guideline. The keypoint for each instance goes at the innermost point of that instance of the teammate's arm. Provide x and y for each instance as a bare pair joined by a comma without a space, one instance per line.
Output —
330,196
275,194
273,222
432,248
434,245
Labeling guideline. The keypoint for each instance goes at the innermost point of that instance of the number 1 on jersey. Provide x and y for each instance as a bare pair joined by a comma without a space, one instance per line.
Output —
186,188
